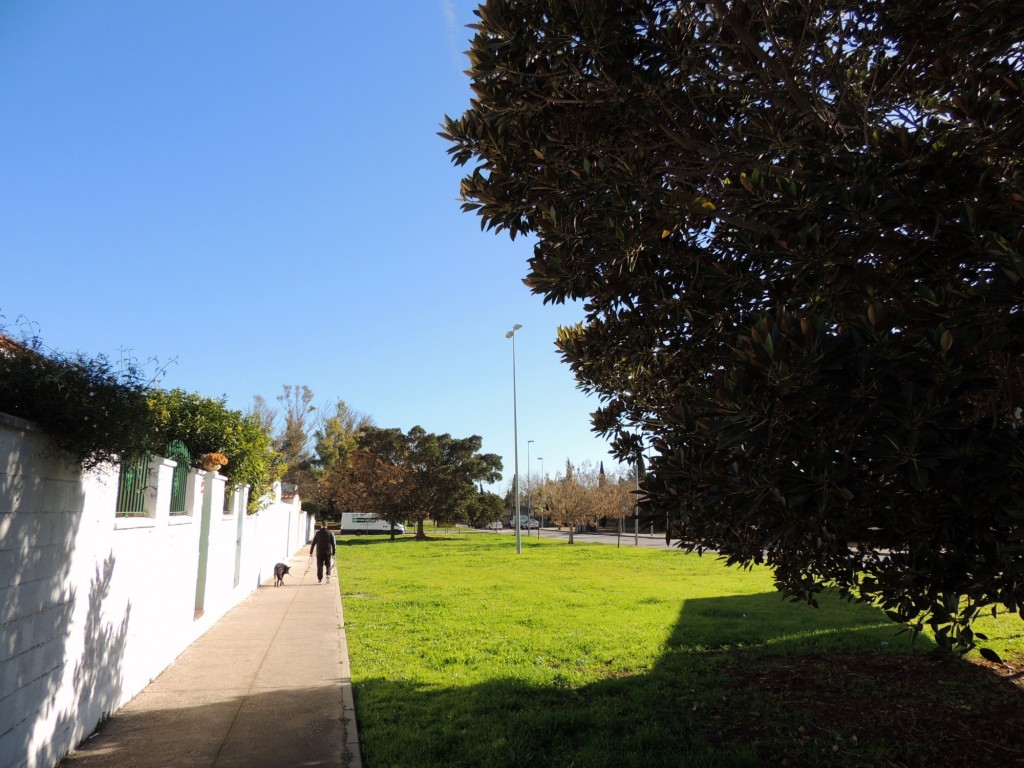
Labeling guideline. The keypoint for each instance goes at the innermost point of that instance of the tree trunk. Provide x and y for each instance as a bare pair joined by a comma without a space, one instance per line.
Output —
421,535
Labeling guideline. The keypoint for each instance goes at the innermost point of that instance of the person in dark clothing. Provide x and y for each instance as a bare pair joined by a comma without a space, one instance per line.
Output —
323,543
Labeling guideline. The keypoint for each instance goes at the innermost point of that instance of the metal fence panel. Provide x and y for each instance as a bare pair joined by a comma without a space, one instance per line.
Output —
131,490
177,451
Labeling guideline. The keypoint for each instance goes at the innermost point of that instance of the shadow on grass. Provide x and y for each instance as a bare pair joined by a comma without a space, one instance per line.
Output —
742,681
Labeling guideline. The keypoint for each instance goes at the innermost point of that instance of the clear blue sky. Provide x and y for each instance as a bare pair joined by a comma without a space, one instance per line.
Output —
255,193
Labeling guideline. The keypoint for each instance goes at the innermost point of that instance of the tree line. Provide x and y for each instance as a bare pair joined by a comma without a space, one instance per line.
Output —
342,462
579,496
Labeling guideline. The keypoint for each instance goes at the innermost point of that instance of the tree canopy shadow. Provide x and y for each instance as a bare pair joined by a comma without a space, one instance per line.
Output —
739,683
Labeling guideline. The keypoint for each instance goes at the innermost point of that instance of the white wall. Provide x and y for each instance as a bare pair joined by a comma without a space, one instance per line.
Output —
94,606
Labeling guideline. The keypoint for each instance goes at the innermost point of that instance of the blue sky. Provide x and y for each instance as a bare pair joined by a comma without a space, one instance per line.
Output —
255,194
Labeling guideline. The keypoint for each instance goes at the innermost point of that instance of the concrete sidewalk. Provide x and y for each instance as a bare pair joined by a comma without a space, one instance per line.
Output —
267,686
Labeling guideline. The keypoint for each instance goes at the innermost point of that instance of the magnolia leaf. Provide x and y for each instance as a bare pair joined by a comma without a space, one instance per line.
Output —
989,655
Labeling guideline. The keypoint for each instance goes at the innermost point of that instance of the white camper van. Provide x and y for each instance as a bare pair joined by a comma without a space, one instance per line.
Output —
361,522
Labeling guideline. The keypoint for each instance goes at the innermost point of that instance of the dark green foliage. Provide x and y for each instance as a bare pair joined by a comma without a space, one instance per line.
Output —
207,425
93,411
798,232
444,471
203,424
418,475
483,508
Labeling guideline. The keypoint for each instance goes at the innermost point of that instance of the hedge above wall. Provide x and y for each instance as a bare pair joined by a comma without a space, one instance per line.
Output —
92,412
96,413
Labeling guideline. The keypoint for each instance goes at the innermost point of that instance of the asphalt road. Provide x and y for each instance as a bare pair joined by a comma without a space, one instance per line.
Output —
644,539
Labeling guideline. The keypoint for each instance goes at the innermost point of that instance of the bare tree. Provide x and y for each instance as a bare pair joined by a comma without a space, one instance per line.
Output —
293,441
613,498
263,413
570,497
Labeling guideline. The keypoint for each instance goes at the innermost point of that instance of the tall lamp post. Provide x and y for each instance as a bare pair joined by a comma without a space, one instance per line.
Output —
515,432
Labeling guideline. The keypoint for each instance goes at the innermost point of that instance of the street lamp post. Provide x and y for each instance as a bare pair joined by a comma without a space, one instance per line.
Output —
515,432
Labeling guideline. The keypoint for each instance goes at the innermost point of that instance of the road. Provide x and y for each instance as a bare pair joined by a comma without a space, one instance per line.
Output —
627,539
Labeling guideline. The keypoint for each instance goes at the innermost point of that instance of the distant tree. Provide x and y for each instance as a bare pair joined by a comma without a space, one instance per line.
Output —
798,232
613,498
338,434
417,476
569,498
445,470
509,499
334,437
263,414
483,508
293,442
376,478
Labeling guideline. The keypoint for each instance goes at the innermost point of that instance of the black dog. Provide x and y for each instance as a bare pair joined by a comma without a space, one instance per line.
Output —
279,571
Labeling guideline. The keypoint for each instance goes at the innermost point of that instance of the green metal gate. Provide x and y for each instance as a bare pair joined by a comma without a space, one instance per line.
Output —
177,451
131,489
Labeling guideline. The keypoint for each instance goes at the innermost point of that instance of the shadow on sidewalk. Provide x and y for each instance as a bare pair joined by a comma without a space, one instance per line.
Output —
264,728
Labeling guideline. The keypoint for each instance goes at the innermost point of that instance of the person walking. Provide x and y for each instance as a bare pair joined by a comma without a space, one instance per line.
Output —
323,543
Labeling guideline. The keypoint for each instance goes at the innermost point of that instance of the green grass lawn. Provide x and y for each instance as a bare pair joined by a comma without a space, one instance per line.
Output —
465,654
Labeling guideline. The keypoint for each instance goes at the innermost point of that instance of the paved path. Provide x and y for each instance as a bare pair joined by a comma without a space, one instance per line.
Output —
268,686
643,538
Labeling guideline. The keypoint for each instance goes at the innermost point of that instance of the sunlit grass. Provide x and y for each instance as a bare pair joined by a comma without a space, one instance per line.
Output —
464,653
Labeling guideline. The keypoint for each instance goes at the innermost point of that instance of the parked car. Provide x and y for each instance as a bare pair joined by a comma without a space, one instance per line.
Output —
495,526
525,522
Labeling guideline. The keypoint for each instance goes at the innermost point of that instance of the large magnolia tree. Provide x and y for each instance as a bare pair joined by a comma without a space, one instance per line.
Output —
797,231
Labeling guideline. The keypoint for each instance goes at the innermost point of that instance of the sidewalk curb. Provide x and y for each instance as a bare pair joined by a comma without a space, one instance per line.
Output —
352,757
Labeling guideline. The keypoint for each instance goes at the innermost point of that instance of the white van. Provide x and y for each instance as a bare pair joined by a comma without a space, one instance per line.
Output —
361,522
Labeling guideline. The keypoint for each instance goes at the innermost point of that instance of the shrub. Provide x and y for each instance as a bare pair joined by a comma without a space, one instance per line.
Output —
206,425
93,412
